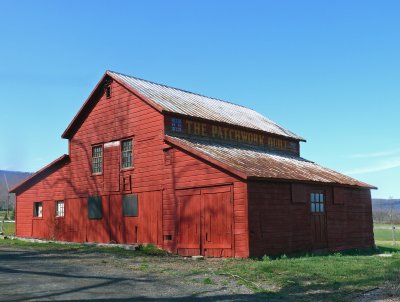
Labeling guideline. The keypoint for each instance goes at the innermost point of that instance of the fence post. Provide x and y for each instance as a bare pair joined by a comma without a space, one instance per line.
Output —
391,221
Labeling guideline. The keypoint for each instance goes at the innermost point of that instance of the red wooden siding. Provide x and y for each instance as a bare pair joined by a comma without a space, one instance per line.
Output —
112,119
185,171
279,225
205,221
350,223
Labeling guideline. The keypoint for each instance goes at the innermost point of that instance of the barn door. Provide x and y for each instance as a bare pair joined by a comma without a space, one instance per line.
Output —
189,230
205,222
112,166
115,219
217,220
318,219
150,221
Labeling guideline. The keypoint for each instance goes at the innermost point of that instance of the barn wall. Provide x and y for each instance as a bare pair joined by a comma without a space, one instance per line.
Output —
187,171
122,116
278,224
350,223
53,187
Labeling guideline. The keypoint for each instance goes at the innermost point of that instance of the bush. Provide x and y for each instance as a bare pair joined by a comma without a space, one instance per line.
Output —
151,250
12,215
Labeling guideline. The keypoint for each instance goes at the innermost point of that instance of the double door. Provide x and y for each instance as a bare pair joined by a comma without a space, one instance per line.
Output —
205,221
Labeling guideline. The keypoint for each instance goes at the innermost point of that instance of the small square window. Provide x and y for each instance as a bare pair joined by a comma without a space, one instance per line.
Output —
94,207
130,205
38,209
60,208
176,124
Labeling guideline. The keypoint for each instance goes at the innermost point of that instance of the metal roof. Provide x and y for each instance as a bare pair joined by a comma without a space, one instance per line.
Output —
191,104
263,164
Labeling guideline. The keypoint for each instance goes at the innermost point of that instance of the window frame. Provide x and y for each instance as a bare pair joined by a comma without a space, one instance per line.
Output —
136,198
63,209
36,210
101,159
122,153
99,199
317,205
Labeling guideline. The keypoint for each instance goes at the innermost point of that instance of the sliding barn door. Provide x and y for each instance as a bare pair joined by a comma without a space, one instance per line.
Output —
189,230
217,220
205,222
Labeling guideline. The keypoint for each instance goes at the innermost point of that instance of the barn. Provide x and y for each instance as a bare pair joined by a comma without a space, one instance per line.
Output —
194,175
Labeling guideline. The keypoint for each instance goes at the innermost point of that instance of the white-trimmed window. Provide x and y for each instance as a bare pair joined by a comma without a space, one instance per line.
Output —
38,209
97,159
60,208
126,149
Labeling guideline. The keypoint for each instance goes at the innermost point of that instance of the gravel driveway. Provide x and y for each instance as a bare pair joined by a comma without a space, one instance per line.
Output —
37,275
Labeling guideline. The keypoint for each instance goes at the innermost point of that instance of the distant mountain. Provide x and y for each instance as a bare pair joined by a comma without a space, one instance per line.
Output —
386,204
12,178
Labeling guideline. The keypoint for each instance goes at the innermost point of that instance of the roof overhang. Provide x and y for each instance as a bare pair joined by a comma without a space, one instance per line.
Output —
243,175
42,173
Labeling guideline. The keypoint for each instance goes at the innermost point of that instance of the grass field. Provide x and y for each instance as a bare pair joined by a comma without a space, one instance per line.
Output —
383,232
9,227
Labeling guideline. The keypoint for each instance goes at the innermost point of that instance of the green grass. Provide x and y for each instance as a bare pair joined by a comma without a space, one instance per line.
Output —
332,277
383,232
385,225
208,281
4,213
8,228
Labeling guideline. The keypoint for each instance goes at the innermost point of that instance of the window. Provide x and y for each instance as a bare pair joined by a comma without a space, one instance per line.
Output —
38,209
97,159
94,207
108,92
126,154
317,202
176,124
60,208
130,205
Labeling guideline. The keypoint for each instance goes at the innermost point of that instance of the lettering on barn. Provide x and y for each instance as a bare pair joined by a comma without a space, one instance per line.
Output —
186,127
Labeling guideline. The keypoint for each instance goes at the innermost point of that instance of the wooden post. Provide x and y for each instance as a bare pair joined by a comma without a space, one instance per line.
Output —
391,221
8,196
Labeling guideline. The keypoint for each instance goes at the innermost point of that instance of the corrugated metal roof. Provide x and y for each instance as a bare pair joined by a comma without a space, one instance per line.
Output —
196,105
263,164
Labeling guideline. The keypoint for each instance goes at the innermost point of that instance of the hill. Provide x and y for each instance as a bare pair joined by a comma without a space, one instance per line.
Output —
381,210
11,178
386,204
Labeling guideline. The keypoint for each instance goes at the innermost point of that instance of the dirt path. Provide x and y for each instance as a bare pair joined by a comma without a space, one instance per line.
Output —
32,275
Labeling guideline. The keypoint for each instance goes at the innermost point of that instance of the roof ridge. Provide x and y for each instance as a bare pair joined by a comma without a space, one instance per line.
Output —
183,90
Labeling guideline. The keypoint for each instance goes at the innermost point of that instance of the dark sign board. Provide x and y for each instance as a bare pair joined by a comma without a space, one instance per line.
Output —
185,127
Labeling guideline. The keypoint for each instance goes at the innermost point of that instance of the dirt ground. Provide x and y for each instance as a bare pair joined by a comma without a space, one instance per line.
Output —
32,275
45,275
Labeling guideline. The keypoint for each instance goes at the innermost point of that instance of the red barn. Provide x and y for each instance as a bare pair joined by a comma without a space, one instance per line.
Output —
148,163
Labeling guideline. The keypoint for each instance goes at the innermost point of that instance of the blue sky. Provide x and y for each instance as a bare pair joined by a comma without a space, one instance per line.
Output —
327,70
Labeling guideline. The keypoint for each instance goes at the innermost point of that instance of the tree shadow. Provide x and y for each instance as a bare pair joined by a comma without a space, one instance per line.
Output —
40,279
